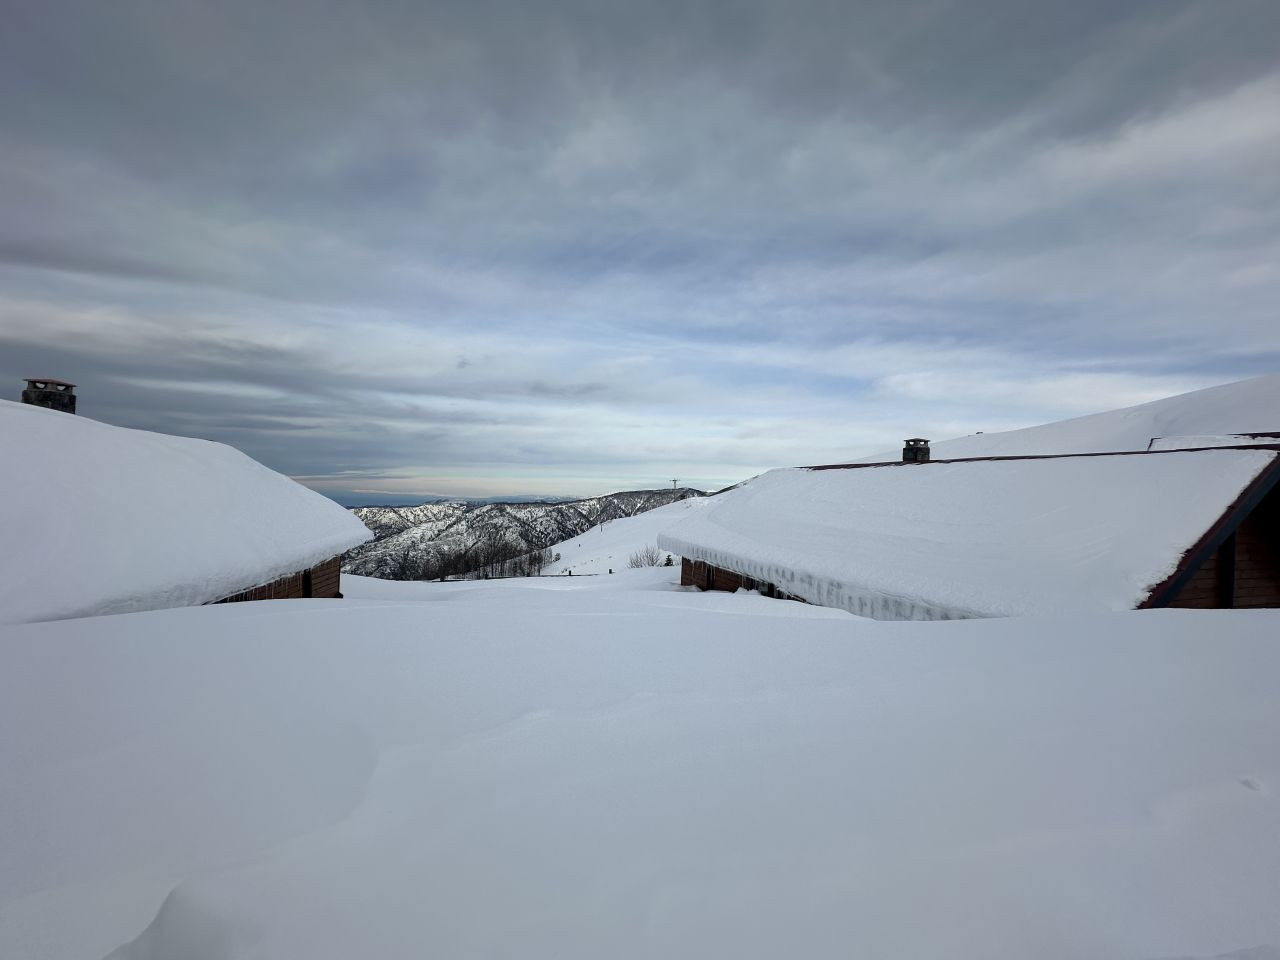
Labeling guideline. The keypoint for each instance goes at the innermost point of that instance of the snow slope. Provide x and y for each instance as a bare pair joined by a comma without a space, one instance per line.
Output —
1250,406
595,767
100,519
980,538
610,546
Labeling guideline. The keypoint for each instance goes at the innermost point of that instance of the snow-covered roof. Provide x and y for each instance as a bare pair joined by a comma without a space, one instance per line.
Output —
99,519
1243,407
972,538
1214,440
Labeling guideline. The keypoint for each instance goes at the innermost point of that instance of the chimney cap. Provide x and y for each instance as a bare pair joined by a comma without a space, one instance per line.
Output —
49,380
915,450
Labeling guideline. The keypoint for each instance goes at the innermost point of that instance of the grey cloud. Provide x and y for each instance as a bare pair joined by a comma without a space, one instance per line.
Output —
437,229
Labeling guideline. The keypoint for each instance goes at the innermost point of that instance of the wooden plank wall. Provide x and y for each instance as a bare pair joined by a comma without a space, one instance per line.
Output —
1258,556
705,576
1201,591
324,578
1253,580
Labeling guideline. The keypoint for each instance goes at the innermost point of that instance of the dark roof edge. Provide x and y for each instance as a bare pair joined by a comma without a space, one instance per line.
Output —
1162,593
1273,434
1274,447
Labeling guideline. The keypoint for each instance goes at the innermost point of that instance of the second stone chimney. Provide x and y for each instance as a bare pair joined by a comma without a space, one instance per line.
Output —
915,450
54,394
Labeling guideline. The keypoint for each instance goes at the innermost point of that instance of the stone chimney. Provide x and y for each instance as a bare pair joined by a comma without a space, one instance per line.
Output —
915,450
54,394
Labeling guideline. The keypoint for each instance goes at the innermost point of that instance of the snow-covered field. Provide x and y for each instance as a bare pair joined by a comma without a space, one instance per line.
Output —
614,767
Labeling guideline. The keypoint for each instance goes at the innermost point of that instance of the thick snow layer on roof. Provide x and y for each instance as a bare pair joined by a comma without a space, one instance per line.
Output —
587,773
1250,406
100,519
981,538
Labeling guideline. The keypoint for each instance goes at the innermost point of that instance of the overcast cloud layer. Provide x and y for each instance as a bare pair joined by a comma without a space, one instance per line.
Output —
477,248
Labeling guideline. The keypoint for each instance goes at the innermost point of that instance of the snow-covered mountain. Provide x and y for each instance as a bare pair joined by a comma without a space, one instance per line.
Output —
422,542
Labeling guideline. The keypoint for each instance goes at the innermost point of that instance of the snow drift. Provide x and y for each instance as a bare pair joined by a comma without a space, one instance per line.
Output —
537,771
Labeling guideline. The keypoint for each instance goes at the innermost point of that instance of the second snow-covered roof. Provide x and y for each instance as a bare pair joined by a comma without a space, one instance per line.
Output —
971,538
99,519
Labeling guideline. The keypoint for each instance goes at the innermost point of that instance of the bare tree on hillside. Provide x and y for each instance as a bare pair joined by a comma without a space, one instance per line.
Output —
649,556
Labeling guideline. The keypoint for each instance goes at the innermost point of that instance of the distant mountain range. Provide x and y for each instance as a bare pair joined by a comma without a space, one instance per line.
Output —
460,536
352,501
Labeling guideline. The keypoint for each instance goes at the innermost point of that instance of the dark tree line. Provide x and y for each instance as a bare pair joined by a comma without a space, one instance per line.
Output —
495,554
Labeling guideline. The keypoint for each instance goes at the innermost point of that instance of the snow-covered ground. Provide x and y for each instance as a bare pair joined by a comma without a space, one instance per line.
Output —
615,767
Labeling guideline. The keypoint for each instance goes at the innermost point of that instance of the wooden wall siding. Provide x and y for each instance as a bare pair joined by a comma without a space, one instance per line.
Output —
326,578
705,576
1258,556
1245,571
686,572
1201,591
322,580
286,588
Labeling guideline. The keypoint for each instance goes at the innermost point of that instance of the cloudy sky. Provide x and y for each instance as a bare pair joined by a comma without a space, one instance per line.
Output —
410,247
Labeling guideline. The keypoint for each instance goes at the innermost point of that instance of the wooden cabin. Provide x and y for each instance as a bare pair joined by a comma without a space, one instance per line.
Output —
1236,563
98,519
322,580
1001,536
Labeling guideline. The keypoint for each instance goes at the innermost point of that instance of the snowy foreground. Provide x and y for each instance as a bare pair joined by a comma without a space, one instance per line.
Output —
610,767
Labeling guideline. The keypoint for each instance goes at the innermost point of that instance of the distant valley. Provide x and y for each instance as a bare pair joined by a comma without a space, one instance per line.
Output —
456,538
